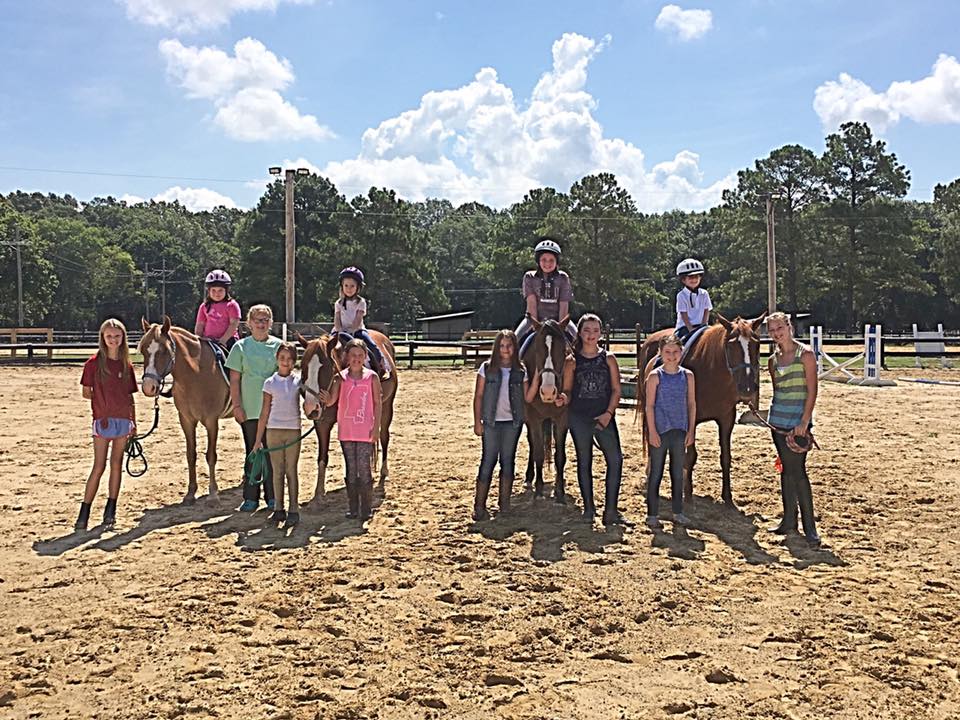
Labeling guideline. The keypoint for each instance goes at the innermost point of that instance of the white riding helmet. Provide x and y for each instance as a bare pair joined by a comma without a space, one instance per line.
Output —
218,277
547,245
690,266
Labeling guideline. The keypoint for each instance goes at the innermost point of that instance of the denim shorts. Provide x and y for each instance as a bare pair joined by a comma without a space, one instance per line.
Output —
112,428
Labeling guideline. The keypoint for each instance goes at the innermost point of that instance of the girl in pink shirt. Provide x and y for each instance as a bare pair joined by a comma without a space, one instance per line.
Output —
356,392
218,316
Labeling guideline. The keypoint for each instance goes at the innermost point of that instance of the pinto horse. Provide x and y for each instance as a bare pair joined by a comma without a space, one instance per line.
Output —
200,393
547,355
725,363
320,364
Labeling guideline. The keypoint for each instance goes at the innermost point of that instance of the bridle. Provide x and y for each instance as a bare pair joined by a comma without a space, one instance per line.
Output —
305,391
731,368
161,378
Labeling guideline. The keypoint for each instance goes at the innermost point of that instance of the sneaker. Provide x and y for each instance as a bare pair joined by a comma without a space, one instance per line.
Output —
271,504
653,522
350,515
588,516
249,506
814,541
613,519
480,515
681,520
782,529
277,516
292,520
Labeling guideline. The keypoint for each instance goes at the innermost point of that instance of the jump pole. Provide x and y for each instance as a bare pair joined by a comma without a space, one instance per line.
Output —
931,381
872,359
816,345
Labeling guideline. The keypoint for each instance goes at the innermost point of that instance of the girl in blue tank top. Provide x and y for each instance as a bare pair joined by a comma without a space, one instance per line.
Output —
670,410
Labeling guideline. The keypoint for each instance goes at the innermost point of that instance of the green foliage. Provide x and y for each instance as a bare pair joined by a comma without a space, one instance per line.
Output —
850,249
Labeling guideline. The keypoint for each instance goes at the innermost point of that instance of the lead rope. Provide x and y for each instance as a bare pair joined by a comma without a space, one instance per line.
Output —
134,448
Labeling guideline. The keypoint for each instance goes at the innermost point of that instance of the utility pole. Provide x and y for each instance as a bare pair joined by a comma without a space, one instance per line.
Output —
163,288
16,245
291,247
146,292
771,252
290,243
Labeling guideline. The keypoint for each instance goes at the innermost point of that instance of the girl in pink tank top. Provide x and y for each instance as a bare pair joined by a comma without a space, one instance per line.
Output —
357,395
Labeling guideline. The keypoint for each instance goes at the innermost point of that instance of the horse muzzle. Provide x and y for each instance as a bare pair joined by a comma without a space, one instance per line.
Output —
149,387
311,410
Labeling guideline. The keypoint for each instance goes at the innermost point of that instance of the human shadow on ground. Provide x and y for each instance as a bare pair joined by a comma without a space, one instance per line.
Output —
58,546
730,525
678,543
324,522
551,526
805,556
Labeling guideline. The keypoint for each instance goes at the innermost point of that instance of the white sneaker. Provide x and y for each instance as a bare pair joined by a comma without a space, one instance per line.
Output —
681,519
653,522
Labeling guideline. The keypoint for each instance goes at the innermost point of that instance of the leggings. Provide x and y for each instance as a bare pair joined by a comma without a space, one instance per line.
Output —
252,492
359,476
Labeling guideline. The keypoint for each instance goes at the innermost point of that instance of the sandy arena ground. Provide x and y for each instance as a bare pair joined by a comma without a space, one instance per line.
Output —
198,612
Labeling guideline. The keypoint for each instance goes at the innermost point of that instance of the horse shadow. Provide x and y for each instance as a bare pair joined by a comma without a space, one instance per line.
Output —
172,515
326,524
551,526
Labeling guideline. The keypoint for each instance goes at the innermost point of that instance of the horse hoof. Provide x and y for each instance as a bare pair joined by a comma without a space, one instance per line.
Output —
189,499
560,499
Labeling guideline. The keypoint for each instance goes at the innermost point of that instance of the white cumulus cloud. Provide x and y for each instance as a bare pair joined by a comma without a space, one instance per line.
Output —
195,199
193,15
245,89
933,99
685,24
477,142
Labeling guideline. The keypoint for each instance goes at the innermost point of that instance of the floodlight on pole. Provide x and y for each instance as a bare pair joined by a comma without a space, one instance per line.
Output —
290,246
771,249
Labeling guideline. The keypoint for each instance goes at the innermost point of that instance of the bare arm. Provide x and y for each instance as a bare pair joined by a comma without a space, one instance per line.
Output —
478,405
235,397
337,322
691,408
198,328
650,393
532,306
615,391
564,308
810,376
377,408
262,421
531,388
686,319
329,398
231,329
88,392
563,398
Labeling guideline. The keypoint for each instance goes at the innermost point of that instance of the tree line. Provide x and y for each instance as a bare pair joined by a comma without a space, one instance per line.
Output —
850,248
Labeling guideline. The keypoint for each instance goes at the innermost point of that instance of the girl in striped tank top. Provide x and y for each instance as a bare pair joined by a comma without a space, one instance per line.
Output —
793,369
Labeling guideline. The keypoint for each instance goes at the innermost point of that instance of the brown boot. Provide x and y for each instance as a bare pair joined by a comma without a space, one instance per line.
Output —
506,489
480,513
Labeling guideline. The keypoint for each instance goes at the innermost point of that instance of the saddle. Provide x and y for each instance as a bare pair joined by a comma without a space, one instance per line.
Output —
688,345
371,362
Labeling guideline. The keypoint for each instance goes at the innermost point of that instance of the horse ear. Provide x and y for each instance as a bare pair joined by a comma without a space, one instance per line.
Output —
166,324
303,341
723,321
758,321
144,323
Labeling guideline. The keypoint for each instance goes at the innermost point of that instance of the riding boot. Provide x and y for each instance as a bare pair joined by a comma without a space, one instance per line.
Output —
83,518
110,513
788,493
805,497
366,500
480,501
353,499
506,489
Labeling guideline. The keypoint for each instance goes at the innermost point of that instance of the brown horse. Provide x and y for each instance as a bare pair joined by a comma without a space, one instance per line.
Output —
320,363
547,355
200,393
726,365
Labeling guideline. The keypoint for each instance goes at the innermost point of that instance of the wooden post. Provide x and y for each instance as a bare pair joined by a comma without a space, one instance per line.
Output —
410,351
13,341
50,342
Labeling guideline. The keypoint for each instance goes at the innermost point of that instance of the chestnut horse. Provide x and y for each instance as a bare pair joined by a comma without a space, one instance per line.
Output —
547,354
318,367
200,393
725,362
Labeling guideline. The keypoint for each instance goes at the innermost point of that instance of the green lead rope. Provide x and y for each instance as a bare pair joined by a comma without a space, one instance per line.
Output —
257,460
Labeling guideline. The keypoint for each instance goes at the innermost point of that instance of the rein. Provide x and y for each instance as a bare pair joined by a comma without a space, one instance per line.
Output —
134,449
257,460
786,433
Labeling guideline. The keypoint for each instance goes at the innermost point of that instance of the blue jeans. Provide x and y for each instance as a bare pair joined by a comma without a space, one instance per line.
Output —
584,431
674,443
362,333
499,443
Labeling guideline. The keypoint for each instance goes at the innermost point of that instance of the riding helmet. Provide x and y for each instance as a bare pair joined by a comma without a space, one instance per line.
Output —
218,277
547,245
690,266
352,272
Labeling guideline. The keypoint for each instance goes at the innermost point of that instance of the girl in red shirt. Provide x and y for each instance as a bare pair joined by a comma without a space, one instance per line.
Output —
108,382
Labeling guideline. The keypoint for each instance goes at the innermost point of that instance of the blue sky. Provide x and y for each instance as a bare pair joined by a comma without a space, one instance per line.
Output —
464,100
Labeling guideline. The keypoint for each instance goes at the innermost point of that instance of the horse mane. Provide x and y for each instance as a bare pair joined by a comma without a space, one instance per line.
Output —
710,348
